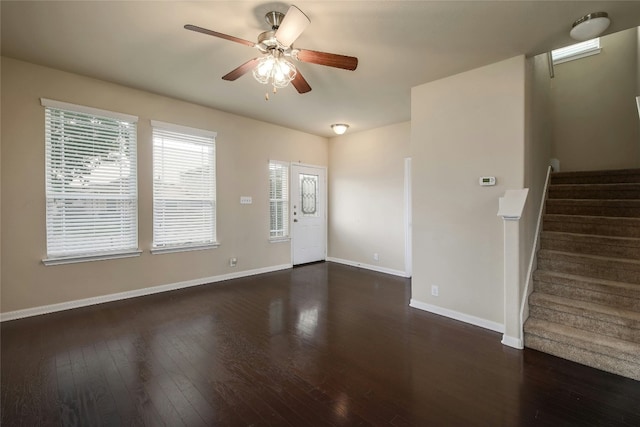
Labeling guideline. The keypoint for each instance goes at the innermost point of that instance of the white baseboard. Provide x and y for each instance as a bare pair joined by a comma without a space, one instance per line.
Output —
512,342
36,311
369,267
456,315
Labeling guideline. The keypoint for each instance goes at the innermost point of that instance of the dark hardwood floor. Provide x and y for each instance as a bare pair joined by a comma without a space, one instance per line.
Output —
319,345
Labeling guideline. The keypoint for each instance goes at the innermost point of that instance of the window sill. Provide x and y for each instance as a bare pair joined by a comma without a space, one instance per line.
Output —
279,239
86,258
173,249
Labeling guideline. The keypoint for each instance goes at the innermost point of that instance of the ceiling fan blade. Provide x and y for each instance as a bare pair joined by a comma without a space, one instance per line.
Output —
293,24
241,70
300,83
328,59
217,34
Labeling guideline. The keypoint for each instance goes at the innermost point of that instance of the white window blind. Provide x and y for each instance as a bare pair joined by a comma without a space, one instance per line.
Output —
91,181
184,187
279,199
576,51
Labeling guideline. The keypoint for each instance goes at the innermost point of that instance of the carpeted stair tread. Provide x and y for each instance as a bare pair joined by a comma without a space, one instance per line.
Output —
595,191
610,246
589,341
627,295
589,224
632,263
591,238
596,177
594,207
601,312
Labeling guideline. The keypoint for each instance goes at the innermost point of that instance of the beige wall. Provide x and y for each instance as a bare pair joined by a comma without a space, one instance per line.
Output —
243,148
366,196
638,60
638,79
463,127
538,139
595,121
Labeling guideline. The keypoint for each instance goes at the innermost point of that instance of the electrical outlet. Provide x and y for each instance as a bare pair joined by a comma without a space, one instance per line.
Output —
376,257
434,290
233,262
246,200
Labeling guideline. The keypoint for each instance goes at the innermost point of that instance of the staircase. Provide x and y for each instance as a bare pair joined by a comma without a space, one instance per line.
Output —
585,305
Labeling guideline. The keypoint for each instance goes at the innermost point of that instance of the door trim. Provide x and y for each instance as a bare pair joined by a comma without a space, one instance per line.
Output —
408,254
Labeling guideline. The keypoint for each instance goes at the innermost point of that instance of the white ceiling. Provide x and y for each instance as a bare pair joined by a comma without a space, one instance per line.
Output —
400,44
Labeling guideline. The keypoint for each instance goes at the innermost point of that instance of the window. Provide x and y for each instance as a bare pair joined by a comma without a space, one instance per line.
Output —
184,188
576,51
309,195
90,183
278,200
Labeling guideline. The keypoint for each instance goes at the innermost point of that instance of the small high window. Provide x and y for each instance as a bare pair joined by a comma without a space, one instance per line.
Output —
576,51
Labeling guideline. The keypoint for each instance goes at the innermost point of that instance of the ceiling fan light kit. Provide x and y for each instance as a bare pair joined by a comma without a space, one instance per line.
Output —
277,46
590,26
275,70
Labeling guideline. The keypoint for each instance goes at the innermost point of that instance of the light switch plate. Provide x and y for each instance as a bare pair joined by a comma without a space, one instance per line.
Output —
246,200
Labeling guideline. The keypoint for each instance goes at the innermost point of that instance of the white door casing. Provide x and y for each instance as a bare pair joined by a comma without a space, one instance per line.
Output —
308,213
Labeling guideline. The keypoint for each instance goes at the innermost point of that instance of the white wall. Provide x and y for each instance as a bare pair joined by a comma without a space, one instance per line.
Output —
366,199
463,127
243,149
595,121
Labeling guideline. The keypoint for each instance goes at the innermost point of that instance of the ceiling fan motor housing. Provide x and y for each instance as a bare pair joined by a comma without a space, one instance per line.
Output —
274,19
267,41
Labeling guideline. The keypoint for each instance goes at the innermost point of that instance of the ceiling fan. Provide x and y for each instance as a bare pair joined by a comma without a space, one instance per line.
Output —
276,46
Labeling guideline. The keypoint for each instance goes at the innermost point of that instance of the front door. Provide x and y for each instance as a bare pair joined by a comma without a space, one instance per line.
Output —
309,213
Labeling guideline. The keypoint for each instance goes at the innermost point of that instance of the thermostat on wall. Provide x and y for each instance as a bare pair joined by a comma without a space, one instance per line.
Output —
487,180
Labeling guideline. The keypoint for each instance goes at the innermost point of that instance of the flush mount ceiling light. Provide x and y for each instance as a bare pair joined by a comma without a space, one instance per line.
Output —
590,26
340,128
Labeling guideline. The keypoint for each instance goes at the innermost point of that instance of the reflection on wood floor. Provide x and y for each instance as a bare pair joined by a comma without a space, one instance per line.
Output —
321,344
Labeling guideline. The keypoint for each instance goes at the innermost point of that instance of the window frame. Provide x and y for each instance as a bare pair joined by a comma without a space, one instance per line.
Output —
285,231
197,136
60,192
576,51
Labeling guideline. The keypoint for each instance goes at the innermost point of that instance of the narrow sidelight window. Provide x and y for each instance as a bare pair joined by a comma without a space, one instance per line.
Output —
278,199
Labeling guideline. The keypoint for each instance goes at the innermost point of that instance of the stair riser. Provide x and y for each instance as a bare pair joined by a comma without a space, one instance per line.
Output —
599,297
630,352
608,272
562,207
586,323
586,193
592,228
585,357
581,247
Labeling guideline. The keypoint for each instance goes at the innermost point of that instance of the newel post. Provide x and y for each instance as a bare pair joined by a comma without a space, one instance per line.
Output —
510,208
